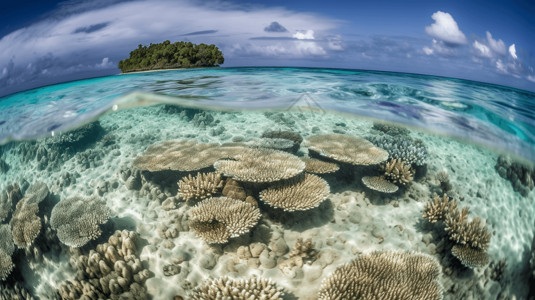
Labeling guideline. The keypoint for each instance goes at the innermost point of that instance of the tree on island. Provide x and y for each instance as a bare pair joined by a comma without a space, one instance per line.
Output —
169,55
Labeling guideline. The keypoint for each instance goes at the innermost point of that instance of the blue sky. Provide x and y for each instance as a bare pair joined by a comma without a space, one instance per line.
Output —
44,42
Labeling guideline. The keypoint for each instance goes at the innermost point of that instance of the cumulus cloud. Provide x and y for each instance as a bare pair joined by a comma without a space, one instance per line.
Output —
512,51
427,50
304,35
81,33
498,46
446,29
275,27
482,50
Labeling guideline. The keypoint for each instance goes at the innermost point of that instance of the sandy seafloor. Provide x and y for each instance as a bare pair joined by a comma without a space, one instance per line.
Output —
353,220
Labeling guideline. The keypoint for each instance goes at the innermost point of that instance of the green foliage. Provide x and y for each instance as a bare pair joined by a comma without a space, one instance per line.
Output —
169,55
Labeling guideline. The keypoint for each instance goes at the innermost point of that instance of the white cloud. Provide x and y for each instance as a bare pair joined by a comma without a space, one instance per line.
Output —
531,78
497,46
512,51
482,49
304,35
427,50
445,29
501,67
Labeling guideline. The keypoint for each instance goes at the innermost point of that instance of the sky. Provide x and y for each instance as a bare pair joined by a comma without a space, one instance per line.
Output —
44,42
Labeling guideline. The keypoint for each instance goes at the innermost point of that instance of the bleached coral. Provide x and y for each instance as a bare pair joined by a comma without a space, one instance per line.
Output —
200,187
215,220
346,148
77,220
183,155
397,171
385,275
297,194
237,289
380,184
316,166
261,165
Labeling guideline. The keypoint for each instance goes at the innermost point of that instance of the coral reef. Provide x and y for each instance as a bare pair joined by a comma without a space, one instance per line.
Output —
437,209
298,193
6,250
77,220
113,271
469,256
385,275
380,184
272,143
390,129
8,197
396,171
444,180
25,223
261,165
77,138
238,289
14,292
521,176
411,151
234,190
346,148
316,166
183,155
302,252
215,220
294,137
200,187
4,167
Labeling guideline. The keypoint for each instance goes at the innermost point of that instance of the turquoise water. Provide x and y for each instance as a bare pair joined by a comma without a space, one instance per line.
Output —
499,117
281,183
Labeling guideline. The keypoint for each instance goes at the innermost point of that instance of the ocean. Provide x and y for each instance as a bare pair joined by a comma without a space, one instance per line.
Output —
267,183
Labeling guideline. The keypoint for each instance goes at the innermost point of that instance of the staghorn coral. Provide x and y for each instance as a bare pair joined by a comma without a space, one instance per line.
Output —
437,209
6,250
411,151
237,289
385,275
215,220
474,233
397,171
380,184
346,148
261,165
316,166
470,257
200,187
296,194
183,155
111,271
77,220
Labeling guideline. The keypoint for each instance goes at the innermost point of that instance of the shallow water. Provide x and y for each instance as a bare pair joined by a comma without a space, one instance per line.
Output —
64,196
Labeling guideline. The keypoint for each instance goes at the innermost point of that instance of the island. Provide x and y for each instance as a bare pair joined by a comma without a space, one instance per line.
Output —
169,55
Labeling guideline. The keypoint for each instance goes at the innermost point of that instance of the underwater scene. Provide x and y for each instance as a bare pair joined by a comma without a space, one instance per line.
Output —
267,183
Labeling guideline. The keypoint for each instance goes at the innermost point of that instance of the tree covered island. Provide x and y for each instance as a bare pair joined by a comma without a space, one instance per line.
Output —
169,55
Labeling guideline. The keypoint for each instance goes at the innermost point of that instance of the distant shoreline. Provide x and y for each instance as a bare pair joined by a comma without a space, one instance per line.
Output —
169,69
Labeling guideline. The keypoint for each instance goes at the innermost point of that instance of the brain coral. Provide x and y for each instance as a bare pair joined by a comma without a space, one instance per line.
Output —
183,155
346,148
237,289
261,165
298,193
77,220
215,220
380,184
385,275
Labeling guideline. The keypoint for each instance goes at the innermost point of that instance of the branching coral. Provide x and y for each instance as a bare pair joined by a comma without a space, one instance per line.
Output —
409,150
346,148
298,193
385,275
261,165
237,289
397,171
183,155
380,184
215,220
316,166
77,220
200,187
113,271
437,209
